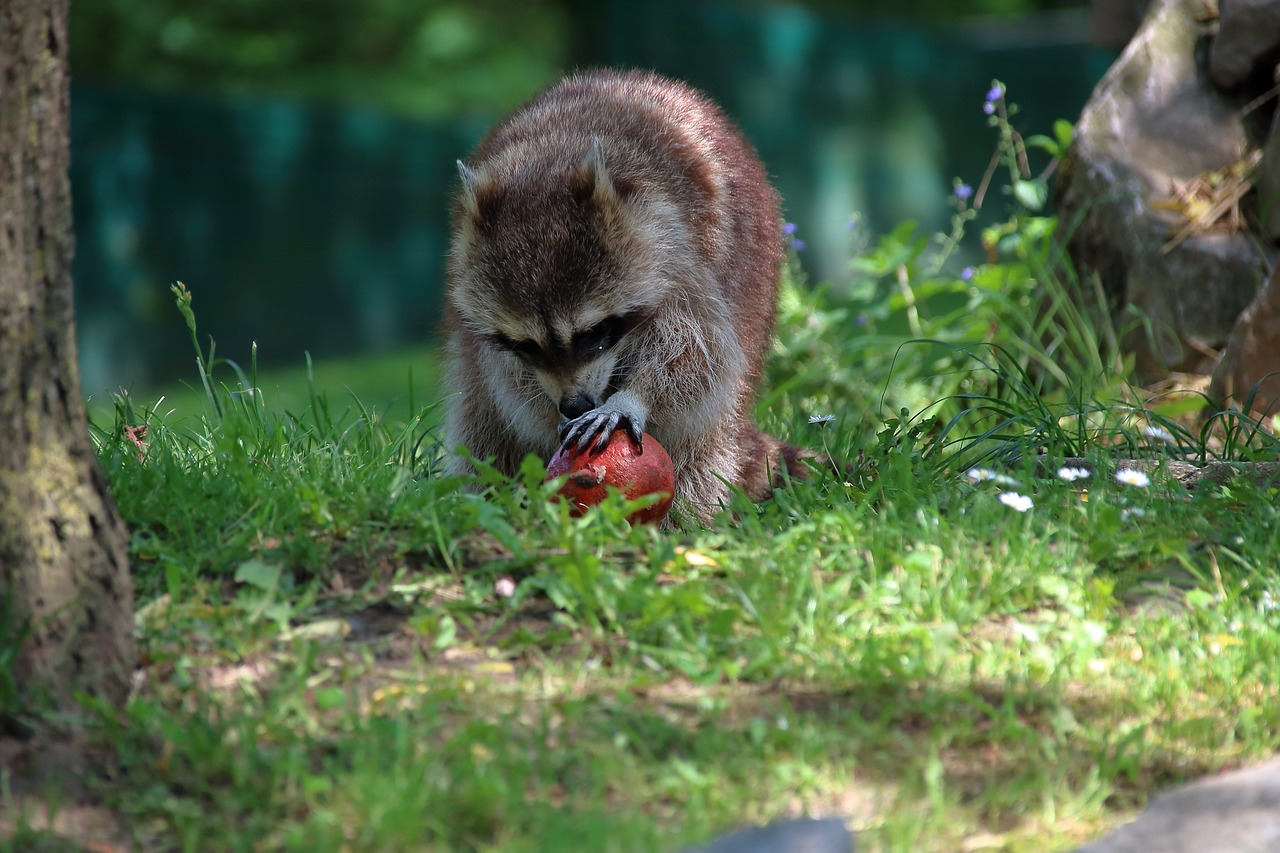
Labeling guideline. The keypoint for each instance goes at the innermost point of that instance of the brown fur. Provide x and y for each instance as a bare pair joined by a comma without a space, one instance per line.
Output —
622,206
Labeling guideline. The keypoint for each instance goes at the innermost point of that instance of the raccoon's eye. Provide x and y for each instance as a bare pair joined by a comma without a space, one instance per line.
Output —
597,340
527,351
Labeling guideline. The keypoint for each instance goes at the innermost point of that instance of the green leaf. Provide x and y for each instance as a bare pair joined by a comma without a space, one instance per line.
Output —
1065,132
1199,599
1031,194
256,573
1176,407
1044,143
446,633
330,697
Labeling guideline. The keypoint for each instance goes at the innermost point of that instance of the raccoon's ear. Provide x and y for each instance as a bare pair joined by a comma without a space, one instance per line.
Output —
477,192
592,182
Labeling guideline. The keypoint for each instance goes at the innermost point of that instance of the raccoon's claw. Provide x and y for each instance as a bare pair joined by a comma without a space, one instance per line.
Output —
636,434
595,428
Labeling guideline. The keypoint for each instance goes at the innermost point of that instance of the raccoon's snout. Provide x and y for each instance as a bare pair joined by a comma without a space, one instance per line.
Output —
576,405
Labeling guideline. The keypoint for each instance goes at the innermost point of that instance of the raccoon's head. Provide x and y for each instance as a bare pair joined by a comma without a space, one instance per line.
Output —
556,266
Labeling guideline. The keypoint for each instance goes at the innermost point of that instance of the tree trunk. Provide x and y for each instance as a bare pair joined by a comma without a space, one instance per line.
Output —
64,572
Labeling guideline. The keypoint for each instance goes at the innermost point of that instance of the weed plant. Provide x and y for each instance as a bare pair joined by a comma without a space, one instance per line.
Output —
968,641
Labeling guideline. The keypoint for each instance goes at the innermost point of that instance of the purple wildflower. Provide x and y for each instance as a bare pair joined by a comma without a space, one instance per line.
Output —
797,244
963,191
994,94
966,273
788,229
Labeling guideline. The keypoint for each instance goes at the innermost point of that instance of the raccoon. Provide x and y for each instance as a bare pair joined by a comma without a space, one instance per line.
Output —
615,259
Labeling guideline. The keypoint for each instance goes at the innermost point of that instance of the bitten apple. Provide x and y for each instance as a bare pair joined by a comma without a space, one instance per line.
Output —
635,472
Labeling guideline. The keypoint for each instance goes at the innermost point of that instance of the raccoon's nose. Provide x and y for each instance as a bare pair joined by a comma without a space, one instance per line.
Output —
575,405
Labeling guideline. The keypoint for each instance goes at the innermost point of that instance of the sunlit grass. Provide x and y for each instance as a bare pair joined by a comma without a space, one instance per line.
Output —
1003,627
331,663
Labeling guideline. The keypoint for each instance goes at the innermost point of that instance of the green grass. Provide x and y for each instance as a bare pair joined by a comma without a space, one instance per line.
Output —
391,382
330,666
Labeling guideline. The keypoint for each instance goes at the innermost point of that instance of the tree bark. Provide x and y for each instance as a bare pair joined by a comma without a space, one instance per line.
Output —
64,571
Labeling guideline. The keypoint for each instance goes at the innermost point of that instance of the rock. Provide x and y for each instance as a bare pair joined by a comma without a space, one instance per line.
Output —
800,835
1267,182
1251,362
1236,812
1248,42
1153,124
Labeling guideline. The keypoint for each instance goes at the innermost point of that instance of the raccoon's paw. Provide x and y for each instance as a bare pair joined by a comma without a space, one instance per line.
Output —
597,426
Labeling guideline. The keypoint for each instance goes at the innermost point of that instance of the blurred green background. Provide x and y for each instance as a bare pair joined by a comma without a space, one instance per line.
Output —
291,160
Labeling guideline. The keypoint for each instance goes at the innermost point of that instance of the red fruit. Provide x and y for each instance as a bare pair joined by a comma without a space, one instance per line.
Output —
620,465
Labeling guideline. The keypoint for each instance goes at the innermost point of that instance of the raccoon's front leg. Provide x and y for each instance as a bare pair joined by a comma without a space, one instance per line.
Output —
623,409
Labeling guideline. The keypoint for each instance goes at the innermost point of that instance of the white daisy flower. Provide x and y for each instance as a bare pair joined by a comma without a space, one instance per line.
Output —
1072,473
1130,477
1158,432
1015,501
